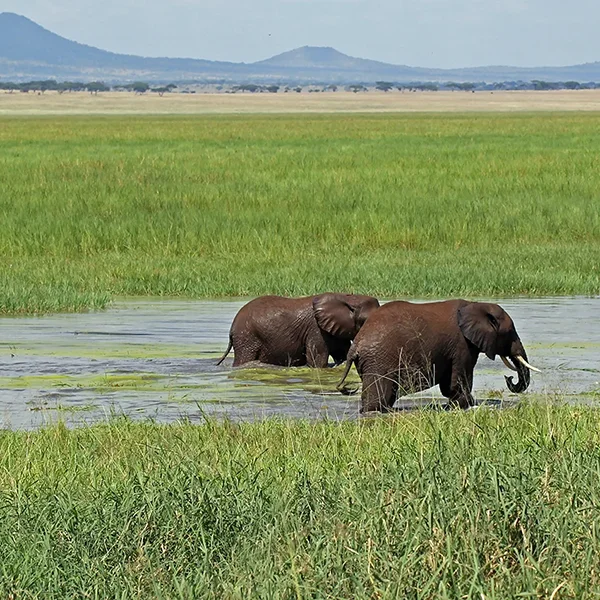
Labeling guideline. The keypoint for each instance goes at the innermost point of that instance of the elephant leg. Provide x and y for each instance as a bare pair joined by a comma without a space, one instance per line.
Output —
378,392
458,390
245,351
317,353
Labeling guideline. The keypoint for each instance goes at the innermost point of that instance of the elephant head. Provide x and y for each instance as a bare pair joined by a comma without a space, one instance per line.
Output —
491,330
342,315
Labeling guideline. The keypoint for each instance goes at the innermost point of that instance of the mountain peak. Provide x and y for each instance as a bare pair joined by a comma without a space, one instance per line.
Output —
21,39
10,20
312,56
10,17
13,25
318,54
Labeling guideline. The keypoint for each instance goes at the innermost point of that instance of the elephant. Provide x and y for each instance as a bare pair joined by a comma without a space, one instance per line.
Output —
406,347
298,331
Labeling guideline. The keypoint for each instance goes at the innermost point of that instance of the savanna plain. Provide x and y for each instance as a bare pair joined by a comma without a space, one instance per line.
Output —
485,503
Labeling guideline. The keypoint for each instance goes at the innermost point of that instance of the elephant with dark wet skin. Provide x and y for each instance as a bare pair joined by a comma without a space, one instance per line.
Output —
298,331
407,347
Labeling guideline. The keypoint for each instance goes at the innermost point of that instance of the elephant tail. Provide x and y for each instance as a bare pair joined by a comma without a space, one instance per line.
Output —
229,347
344,389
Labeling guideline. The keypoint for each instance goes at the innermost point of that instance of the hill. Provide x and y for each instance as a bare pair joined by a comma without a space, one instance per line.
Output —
323,58
28,51
23,40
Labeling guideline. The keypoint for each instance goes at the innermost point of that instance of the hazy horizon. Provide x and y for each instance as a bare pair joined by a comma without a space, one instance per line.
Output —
419,33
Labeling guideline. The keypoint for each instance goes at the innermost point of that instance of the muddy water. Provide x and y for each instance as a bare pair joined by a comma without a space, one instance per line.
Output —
156,359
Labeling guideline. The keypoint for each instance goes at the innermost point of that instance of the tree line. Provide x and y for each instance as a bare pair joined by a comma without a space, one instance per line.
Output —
141,87
41,86
471,86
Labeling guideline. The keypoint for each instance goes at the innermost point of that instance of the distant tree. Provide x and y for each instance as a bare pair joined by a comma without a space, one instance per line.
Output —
160,90
331,88
140,87
424,87
96,86
298,89
273,89
72,86
356,88
384,86
9,86
39,86
48,84
541,85
572,85
464,86
247,87
427,87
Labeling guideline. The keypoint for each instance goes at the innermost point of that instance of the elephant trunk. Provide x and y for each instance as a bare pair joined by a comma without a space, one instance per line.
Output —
522,372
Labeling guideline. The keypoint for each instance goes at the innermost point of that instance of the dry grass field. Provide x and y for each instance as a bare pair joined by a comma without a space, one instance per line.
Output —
52,103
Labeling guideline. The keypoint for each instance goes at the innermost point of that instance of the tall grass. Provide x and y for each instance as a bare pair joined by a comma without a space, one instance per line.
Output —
482,504
424,205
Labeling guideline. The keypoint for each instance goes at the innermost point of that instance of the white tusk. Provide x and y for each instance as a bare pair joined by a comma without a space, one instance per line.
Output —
505,361
524,362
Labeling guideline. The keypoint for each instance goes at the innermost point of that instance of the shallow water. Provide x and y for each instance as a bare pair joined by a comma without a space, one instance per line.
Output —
156,359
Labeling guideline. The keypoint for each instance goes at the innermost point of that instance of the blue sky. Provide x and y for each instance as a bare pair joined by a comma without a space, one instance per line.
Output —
425,33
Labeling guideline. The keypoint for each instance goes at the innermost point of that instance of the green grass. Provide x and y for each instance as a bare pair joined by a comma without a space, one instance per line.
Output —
479,504
423,205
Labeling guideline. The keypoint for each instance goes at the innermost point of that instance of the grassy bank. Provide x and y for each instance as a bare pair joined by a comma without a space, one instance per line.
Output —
392,205
494,504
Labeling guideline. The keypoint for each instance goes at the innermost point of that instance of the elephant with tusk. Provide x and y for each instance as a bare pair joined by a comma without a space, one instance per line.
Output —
407,347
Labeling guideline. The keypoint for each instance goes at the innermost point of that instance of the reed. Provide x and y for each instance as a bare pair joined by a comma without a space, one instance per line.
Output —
484,503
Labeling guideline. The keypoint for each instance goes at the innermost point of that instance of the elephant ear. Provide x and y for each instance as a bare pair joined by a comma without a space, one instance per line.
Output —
480,327
335,315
